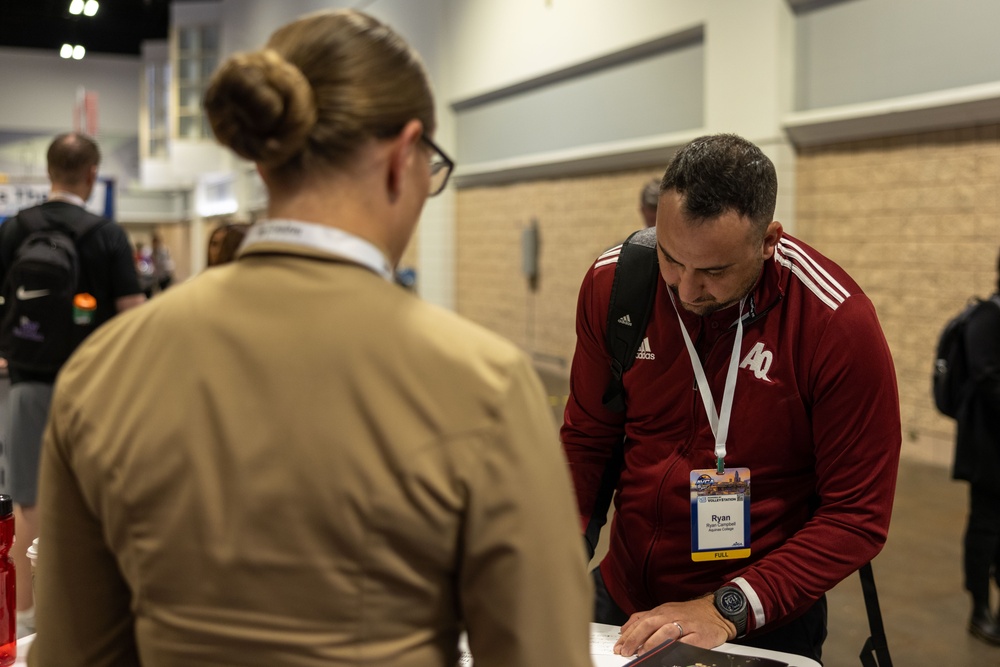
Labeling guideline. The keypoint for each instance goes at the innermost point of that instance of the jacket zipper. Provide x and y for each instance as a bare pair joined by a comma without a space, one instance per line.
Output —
683,451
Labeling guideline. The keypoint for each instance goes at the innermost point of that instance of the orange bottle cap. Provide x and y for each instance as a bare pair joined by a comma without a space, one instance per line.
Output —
85,301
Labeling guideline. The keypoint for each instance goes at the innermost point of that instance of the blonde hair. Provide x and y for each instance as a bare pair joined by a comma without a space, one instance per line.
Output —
322,86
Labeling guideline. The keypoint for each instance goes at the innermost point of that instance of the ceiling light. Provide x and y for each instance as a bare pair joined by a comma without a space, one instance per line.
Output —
79,52
66,51
76,7
90,8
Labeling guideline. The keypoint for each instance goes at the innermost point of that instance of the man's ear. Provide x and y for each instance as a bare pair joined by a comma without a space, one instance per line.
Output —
772,235
401,155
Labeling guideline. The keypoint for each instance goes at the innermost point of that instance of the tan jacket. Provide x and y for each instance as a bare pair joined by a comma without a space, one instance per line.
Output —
291,461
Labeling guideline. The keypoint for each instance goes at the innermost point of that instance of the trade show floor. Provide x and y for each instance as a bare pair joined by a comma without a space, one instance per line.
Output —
918,575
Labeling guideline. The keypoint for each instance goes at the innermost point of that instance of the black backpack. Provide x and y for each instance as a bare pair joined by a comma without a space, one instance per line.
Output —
37,328
632,294
951,382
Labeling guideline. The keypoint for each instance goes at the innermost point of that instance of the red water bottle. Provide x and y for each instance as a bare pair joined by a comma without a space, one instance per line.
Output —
8,598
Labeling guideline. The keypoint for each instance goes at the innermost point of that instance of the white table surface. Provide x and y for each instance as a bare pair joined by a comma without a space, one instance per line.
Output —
600,634
22,650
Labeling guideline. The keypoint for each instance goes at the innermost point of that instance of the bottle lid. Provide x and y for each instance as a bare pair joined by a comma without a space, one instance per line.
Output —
85,301
6,505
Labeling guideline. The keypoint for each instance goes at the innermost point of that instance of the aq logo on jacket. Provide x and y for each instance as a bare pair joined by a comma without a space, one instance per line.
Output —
758,360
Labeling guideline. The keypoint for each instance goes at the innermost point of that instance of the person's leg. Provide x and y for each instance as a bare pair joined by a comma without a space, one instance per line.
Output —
981,544
606,610
28,412
978,550
26,530
803,636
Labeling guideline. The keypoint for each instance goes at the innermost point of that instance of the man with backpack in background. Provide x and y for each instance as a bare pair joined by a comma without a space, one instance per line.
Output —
63,272
975,405
763,366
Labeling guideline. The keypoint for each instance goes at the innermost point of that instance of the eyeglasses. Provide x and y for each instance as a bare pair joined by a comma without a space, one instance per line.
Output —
441,167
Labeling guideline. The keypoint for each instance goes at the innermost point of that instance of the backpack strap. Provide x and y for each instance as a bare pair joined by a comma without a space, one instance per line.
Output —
33,220
875,652
631,302
632,295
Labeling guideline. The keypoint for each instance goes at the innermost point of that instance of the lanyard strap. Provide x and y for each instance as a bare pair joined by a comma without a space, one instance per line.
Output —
719,421
320,237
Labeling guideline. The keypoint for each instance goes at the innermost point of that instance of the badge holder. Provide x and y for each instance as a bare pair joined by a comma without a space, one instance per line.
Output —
720,514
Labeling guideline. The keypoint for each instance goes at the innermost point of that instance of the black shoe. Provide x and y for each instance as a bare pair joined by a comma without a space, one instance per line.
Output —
984,626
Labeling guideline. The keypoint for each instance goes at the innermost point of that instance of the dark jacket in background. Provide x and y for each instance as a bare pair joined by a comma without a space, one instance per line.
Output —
977,447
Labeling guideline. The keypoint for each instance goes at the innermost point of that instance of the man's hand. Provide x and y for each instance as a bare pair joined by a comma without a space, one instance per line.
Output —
696,622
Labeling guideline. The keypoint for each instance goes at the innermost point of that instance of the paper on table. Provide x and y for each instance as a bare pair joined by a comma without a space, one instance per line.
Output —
602,645
603,638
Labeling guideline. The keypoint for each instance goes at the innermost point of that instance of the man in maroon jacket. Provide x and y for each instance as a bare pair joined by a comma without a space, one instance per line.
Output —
763,365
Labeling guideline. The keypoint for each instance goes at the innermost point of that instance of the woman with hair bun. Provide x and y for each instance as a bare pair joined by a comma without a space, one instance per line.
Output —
289,459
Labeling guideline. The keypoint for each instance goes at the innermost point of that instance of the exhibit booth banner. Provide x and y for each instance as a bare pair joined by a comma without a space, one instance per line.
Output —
17,196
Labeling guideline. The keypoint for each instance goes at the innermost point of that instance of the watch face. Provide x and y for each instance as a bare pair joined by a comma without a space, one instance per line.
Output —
732,601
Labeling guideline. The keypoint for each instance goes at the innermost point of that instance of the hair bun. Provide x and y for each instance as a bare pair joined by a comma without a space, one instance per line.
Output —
261,106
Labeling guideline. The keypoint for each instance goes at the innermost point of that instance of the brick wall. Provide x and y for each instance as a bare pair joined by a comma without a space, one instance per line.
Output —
578,218
915,220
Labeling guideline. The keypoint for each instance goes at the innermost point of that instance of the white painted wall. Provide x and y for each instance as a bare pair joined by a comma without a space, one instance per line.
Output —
424,24
748,62
39,91
503,42
247,24
475,47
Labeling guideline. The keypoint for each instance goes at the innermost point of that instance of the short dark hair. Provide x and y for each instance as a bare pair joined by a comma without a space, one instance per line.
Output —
718,173
71,156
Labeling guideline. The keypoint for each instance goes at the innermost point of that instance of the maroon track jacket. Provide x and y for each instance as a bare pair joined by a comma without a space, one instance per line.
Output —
815,419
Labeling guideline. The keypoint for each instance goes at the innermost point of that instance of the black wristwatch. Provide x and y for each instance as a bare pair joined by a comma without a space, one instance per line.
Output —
732,604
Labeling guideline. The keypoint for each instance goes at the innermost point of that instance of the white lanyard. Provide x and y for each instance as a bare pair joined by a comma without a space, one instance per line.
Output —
328,239
719,421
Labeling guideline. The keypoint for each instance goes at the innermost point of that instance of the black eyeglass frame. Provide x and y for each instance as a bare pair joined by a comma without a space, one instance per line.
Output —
448,163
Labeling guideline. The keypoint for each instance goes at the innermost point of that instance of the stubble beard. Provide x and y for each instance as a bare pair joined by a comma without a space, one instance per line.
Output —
710,307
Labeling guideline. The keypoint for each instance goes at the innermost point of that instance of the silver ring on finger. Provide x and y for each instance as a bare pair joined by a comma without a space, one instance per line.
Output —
680,629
